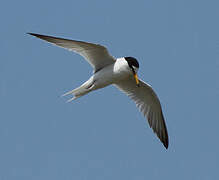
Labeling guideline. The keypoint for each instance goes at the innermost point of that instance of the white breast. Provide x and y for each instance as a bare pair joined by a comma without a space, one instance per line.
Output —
121,69
112,73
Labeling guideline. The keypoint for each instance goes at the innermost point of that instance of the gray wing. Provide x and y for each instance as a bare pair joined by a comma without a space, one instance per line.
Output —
148,103
96,55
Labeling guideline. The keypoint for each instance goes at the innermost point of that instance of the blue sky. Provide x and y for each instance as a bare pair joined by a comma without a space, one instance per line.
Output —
102,135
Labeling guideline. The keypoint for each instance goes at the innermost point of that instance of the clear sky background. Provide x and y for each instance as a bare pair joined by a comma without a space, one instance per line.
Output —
103,135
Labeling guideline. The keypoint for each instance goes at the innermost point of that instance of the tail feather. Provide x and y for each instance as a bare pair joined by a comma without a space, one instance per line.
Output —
80,91
72,91
71,99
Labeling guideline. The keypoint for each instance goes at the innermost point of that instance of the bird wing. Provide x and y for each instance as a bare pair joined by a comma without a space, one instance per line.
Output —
148,103
96,55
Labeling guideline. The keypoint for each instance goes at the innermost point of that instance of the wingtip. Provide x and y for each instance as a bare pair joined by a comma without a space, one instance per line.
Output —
165,142
166,145
30,33
33,34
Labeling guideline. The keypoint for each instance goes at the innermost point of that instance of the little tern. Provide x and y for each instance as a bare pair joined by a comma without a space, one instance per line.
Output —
120,72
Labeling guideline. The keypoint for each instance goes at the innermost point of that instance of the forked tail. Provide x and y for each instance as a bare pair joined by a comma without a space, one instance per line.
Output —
80,91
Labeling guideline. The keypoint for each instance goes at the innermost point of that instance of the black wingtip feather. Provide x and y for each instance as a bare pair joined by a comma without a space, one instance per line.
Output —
165,139
166,144
32,34
36,35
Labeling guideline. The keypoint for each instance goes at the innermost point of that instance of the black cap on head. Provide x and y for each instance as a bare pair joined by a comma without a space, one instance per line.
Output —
132,62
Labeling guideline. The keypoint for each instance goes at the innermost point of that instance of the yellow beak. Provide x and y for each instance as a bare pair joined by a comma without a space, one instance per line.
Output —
136,79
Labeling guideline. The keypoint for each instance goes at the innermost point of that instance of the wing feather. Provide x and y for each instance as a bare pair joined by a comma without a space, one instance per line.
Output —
96,55
148,103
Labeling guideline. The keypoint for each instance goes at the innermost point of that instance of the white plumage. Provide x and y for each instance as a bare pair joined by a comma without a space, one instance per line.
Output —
122,73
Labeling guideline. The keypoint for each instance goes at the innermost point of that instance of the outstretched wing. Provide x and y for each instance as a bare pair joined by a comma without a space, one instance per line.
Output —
96,55
148,103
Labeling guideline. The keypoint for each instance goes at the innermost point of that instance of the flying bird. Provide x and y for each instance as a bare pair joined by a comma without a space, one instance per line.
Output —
120,72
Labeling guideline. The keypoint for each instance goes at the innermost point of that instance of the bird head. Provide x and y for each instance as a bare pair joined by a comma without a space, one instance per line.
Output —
134,66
